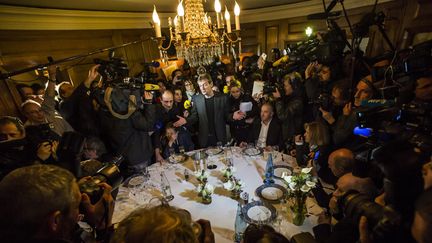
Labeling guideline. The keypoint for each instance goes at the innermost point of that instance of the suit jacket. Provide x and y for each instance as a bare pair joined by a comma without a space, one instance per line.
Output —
274,134
221,117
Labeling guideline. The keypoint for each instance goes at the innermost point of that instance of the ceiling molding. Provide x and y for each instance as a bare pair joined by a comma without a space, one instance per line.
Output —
27,18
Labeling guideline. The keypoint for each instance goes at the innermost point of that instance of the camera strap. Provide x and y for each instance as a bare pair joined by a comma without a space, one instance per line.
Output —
131,106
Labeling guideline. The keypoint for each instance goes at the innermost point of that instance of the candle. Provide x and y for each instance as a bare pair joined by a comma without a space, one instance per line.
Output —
180,13
218,9
237,15
156,22
228,20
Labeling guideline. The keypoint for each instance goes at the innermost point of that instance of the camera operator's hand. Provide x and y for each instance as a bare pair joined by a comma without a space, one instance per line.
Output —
328,116
277,94
239,115
257,96
206,235
364,231
309,69
92,75
46,149
101,212
347,109
148,96
180,122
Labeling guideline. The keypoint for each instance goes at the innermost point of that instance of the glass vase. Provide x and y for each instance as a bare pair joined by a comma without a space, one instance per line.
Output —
299,210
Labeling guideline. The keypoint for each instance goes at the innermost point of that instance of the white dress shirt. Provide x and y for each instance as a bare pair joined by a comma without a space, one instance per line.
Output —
262,138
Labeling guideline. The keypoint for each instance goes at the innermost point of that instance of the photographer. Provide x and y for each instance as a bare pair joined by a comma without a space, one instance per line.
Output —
343,127
129,135
331,109
346,229
319,81
78,108
60,206
289,106
17,150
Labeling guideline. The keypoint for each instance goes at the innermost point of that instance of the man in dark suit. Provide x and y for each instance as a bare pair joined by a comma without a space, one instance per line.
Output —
267,131
211,111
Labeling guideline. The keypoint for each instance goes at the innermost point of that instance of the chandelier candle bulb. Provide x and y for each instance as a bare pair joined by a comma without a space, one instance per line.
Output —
156,22
218,9
237,15
181,13
228,20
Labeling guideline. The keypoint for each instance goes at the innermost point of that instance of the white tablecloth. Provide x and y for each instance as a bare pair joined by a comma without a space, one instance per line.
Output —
222,211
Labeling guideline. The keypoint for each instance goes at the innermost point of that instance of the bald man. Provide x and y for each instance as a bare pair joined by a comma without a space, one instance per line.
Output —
341,162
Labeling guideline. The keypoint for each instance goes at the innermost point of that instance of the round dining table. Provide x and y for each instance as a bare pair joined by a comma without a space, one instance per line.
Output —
221,212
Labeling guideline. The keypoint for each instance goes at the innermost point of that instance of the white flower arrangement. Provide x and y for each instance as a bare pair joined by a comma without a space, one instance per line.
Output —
205,190
233,185
201,175
228,171
300,182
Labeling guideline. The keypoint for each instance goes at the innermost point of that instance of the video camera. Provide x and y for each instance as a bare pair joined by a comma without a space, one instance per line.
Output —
109,174
329,50
384,222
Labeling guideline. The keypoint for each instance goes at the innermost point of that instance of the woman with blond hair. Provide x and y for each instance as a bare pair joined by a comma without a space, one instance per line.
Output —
318,139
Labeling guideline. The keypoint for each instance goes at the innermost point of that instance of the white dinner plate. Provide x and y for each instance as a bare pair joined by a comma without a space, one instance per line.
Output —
280,169
259,212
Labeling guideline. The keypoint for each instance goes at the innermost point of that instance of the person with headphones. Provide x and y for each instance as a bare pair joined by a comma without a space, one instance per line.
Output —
289,106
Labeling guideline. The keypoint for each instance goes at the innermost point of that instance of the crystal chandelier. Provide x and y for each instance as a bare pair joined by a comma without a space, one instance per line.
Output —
194,36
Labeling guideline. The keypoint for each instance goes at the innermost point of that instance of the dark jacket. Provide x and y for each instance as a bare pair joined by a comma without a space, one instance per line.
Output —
130,137
289,110
240,129
274,134
183,139
78,111
162,118
221,117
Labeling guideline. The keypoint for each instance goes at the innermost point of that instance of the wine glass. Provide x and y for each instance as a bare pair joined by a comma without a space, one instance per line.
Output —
182,149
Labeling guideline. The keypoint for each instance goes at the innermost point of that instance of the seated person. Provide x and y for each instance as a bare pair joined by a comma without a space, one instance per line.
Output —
174,138
340,162
318,139
266,132
56,193
257,234
163,224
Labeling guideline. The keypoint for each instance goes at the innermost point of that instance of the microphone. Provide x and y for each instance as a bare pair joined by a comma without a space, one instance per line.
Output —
331,6
151,64
323,15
